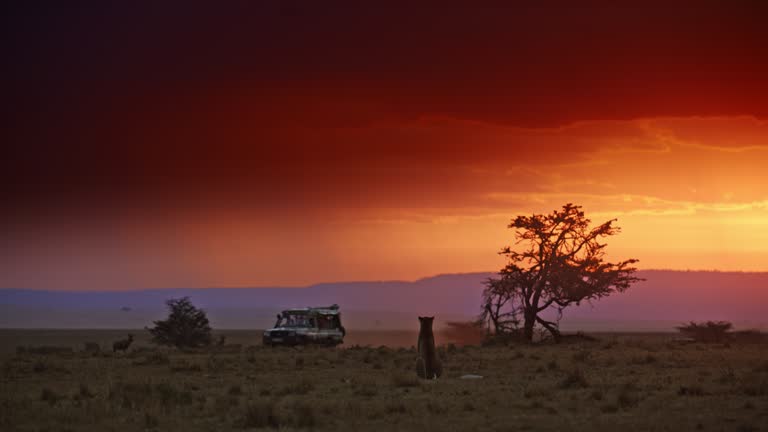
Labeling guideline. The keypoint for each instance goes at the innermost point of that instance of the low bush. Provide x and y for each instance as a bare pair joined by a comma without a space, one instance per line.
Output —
50,396
693,390
574,379
260,414
708,332
300,387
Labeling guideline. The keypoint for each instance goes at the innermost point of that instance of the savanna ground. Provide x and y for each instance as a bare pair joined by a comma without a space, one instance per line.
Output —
616,382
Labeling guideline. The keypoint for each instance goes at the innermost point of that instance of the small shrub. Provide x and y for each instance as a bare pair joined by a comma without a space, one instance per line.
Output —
396,408
577,338
582,356
609,344
39,366
150,421
50,396
693,390
628,397
574,379
367,390
130,395
85,392
627,400
260,414
224,404
647,359
435,408
235,390
533,392
756,388
300,387
708,332
184,365
304,415
171,396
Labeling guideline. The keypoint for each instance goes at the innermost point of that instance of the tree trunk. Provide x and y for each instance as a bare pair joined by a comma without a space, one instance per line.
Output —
528,323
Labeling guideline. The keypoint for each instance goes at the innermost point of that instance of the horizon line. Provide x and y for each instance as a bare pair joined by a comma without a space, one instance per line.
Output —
353,281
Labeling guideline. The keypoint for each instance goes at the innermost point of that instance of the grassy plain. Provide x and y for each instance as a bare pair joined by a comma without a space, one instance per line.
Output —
617,382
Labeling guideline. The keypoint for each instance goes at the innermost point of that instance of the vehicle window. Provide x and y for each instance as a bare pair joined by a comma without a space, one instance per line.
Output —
294,321
324,322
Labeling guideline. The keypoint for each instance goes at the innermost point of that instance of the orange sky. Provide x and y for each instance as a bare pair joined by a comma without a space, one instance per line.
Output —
689,193
269,145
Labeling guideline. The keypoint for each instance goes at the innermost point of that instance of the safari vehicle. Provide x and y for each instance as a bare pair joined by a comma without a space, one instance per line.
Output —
312,325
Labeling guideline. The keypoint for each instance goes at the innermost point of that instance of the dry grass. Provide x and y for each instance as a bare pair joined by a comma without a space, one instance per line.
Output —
618,382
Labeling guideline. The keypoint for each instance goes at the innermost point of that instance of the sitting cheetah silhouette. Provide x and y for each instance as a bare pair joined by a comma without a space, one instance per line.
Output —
428,366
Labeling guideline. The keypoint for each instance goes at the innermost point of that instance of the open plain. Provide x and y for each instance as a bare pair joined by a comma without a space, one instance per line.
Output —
616,381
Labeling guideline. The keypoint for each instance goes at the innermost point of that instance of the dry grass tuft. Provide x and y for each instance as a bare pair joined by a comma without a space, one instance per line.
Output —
50,396
574,379
405,380
260,414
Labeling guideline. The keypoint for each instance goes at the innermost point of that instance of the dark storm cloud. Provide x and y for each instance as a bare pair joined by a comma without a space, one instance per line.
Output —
105,101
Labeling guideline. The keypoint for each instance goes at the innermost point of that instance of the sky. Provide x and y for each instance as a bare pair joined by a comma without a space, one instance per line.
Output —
186,144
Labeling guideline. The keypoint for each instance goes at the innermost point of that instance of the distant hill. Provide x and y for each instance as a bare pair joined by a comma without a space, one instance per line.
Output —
666,296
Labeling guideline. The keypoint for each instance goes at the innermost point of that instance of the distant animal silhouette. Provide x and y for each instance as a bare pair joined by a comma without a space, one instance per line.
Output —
428,366
222,341
123,344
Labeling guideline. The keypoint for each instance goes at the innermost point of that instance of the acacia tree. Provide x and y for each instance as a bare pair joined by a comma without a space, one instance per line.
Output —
186,326
560,262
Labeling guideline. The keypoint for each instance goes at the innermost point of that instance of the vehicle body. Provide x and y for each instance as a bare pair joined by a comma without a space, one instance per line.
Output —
311,325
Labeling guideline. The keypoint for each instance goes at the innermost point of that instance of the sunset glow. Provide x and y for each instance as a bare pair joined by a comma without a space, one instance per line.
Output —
324,157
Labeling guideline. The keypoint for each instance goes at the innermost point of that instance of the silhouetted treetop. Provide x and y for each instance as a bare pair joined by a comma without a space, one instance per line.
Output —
557,261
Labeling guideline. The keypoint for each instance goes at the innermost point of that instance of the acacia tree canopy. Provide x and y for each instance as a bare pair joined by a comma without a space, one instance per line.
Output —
558,261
